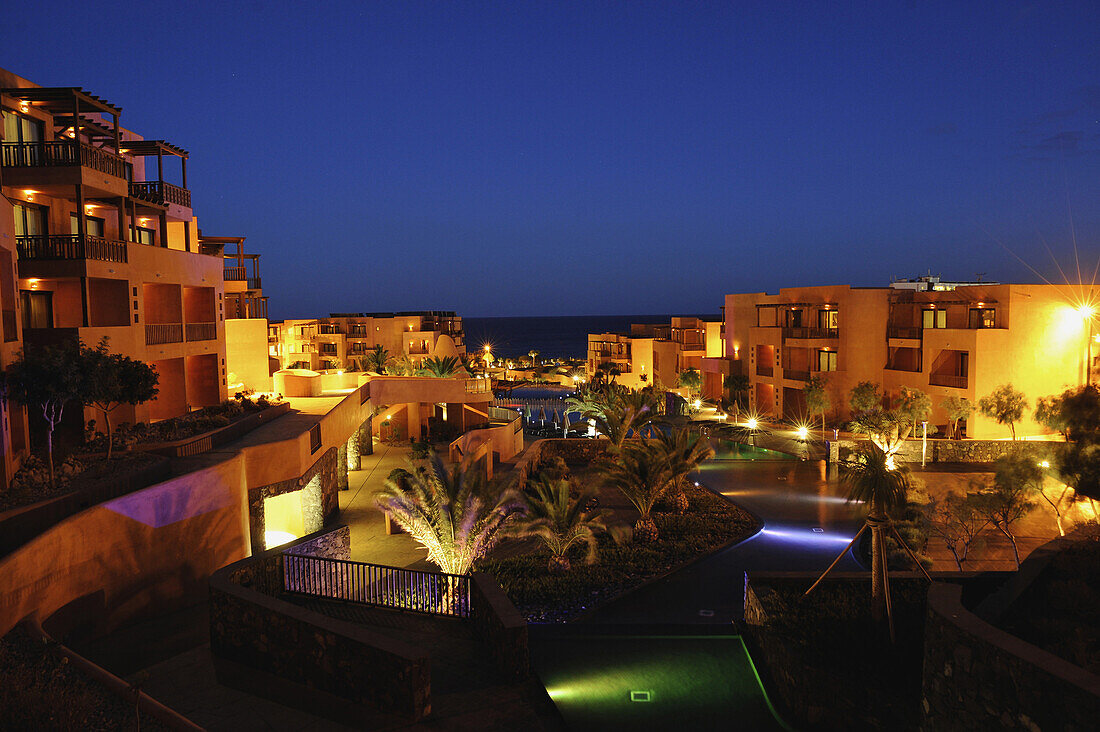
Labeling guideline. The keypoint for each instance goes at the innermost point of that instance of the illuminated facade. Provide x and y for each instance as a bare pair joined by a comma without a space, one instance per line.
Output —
107,244
343,340
655,353
965,341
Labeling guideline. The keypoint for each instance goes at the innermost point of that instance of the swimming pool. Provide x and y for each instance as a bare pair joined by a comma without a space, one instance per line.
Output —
731,450
630,682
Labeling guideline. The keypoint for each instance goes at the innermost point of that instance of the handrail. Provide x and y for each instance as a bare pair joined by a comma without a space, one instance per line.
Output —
61,153
70,246
955,382
157,191
904,332
235,274
435,593
794,375
806,332
157,333
202,331
479,386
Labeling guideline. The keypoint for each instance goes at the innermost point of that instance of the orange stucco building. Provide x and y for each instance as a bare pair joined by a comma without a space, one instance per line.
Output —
656,353
106,245
963,341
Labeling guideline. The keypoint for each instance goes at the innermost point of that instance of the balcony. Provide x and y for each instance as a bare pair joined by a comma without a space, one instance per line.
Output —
62,154
955,382
158,333
809,333
762,370
894,331
794,375
199,332
240,274
44,247
161,193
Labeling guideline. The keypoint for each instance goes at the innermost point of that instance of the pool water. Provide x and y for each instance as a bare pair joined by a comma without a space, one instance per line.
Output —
730,450
636,682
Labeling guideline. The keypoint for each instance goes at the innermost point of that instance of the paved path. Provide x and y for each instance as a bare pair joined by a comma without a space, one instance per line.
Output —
807,522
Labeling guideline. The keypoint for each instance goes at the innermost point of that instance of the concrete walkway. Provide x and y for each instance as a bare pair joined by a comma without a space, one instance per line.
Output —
369,540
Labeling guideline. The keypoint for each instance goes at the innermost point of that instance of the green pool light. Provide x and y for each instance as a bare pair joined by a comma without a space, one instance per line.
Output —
641,696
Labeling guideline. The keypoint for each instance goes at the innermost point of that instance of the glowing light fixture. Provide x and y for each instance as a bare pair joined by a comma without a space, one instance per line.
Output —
802,433
752,423
1087,310
277,538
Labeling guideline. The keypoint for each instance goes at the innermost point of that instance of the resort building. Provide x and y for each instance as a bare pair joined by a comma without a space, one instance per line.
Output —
247,342
655,353
342,340
107,246
964,341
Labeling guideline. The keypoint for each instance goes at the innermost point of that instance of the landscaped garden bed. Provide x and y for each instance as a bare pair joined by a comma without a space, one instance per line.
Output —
710,523
42,690
32,483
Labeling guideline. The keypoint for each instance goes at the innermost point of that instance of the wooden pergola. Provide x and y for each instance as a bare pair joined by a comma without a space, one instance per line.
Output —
72,109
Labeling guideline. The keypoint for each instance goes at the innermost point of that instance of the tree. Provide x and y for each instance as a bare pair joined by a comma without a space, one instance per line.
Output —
865,397
817,396
1076,414
1008,501
376,359
958,522
616,411
683,452
1005,405
534,356
870,478
112,380
914,405
1021,470
48,378
442,367
957,408
738,386
886,429
452,514
641,474
559,522
691,380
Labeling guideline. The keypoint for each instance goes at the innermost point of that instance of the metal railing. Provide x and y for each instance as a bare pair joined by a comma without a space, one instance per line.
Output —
61,153
157,191
479,386
904,332
70,246
314,438
235,274
805,332
156,333
435,593
956,382
796,375
202,331
762,370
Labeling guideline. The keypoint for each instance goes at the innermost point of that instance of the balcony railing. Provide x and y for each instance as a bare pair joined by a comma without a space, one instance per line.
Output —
479,386
762,370
235,274
202,331
900,332
956,382
70,246
62,153
161,193
796,375
157,333
805,332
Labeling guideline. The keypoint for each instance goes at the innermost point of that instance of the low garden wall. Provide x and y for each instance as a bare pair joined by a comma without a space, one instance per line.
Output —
197,444
500,626
954,451
570,450
20,525
977,676
318,655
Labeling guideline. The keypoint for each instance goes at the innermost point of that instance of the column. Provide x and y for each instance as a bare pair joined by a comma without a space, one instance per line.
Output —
342,468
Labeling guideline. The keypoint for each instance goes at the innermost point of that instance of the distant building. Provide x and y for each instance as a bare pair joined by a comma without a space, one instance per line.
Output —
963,341
342,340
246,331
933,283
653,353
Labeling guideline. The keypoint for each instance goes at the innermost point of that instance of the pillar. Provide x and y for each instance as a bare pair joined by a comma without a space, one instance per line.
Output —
352,449
366,438
342,468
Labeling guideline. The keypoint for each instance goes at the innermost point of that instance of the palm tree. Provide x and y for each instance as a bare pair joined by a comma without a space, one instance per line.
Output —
616,412
451,514
683,453
376,359
442,367
817,396
642,475
738,386
560,523
886,429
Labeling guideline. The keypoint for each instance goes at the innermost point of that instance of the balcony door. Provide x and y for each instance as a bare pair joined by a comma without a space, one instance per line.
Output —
93,226
37,309
30,220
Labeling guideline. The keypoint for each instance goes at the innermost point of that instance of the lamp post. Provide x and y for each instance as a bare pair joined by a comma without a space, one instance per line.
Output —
924,443
1087,311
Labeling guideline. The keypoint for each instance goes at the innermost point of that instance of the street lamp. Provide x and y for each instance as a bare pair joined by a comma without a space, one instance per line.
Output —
924,443
1087,311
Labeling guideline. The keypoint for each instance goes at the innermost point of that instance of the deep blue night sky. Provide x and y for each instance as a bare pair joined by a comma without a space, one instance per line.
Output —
555,158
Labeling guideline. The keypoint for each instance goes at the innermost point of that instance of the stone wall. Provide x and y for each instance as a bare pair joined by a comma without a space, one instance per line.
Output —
954,451
317,654
334,543
500,626
979,677
319,504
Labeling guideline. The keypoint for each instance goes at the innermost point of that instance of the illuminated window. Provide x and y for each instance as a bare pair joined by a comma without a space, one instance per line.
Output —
983,318
933,318
826,360
828,319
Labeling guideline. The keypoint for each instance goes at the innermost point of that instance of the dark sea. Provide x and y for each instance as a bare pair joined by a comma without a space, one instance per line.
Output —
551,336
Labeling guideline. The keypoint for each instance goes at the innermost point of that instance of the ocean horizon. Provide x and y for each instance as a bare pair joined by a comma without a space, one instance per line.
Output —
553,336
